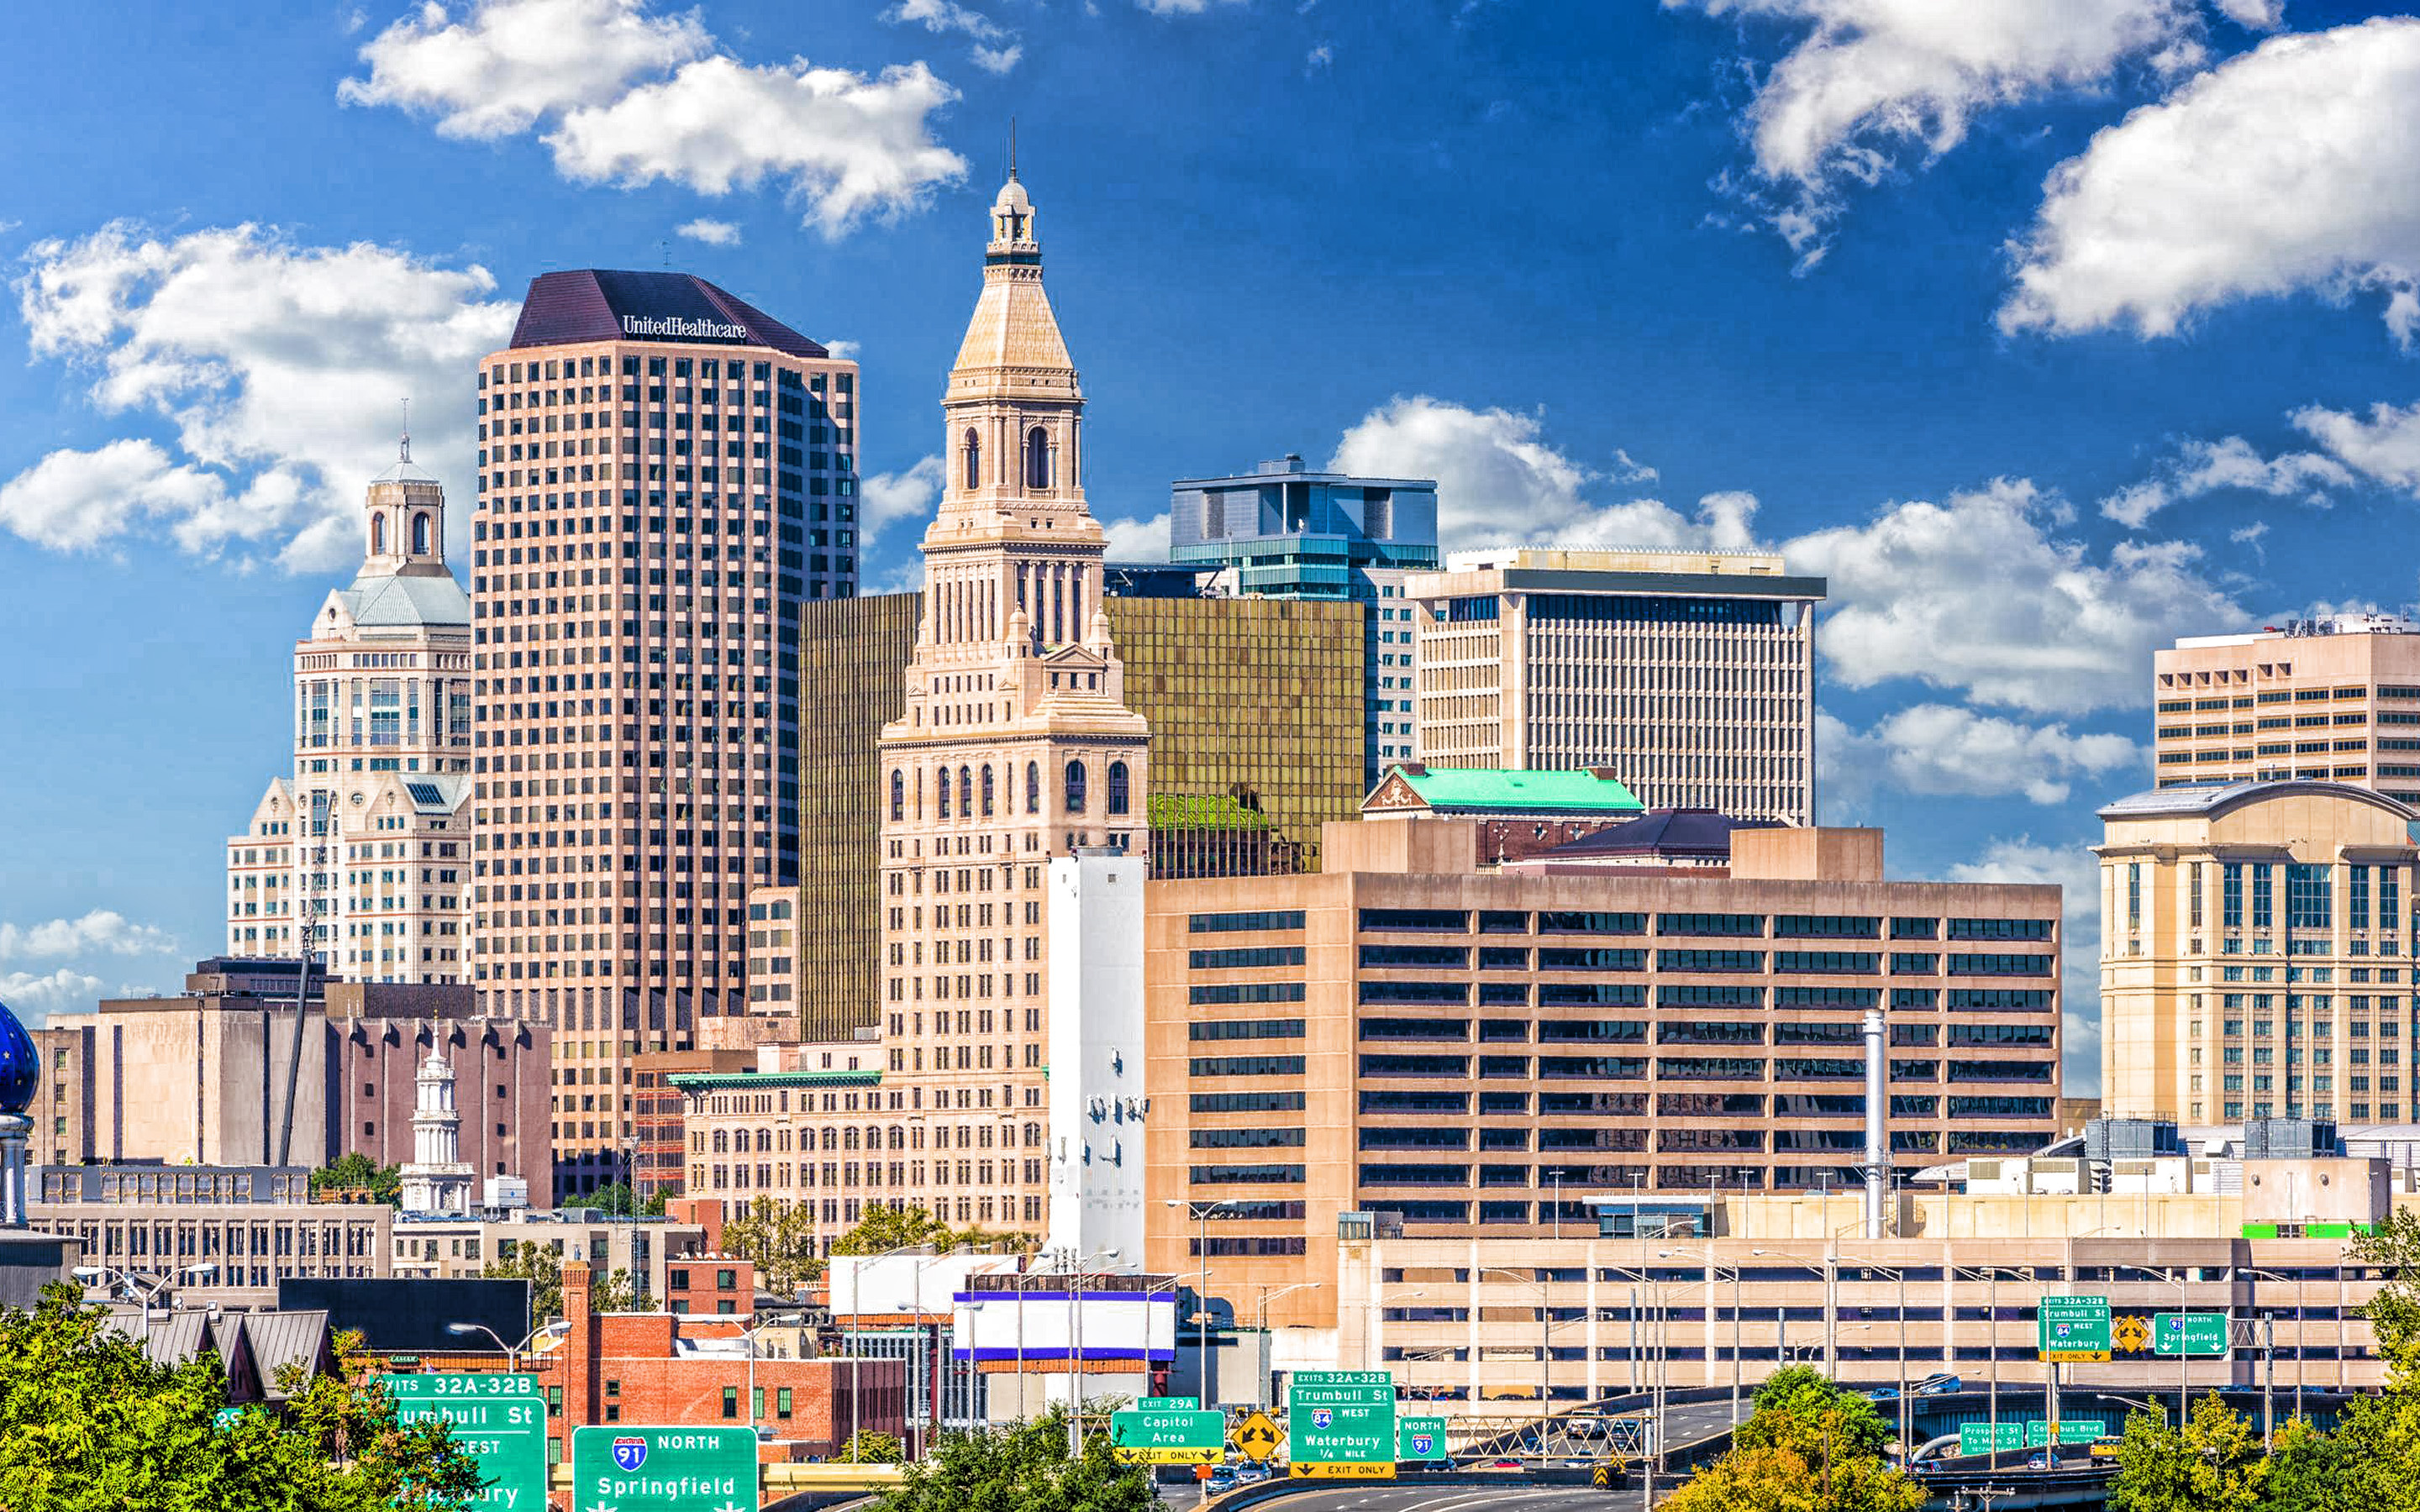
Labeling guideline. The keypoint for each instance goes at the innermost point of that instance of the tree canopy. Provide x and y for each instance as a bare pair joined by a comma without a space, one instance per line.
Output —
90,1424
778,1237
1021,1468
884,1227
357,1172
537,1264
1808,1447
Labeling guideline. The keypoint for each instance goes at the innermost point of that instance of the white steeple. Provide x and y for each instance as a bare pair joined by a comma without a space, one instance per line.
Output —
435,1179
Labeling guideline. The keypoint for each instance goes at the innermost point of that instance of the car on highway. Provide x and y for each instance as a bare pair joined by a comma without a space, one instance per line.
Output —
2038,1462
1221,1479
1939,1386
1498,1464
1883,1394
1248,1474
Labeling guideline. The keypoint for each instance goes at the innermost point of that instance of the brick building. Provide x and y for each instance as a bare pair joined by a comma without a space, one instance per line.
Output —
663,1368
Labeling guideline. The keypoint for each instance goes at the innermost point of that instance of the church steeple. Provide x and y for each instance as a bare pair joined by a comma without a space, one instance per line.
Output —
1014,409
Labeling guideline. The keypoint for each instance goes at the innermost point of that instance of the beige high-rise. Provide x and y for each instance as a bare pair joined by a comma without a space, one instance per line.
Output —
369,835
2255,953
1689,674
667,473
1015,745
2333,700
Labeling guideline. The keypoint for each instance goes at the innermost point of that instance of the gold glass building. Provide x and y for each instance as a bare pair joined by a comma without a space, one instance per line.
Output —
1255,708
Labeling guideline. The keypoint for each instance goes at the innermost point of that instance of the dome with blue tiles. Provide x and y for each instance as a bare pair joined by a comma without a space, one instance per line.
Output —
21,1066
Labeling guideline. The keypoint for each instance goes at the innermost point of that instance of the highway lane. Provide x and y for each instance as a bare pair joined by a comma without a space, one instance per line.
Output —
1411,1496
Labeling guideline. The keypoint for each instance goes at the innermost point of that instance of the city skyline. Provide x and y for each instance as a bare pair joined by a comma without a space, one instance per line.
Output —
191,439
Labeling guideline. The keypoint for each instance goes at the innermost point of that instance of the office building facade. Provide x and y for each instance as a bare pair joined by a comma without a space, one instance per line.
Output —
2332,700
667,474
1689,674
2254,955
221,1235
1282,530
1477,1051
367,837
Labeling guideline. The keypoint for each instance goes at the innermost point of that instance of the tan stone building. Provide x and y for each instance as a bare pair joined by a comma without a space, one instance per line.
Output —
1688,674
667,473
368,834
2254,953
1481,1053
2322,700
222,1235
1015,745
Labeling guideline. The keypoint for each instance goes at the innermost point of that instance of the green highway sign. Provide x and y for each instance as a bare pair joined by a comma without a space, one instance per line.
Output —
227,1418
2073,1328
1341,1424
1164,1436
1419,1438
498,1420
1167,1404
2071,1430
2189,1334
617,1468
1975,1438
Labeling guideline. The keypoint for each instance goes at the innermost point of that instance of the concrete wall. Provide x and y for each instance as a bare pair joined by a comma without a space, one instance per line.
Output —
1098,1097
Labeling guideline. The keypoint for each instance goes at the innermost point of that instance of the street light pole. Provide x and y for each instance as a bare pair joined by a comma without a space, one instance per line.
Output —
1201,1212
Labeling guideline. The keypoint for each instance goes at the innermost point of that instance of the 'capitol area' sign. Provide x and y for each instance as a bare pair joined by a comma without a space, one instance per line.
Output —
675,328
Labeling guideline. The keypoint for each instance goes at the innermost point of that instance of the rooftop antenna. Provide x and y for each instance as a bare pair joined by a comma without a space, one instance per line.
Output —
407,430
1011,150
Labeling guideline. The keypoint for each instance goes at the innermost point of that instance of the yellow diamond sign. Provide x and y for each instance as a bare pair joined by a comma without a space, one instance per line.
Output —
2130,1335
1258,1436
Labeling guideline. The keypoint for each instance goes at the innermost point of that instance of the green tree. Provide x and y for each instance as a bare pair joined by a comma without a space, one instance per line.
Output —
90,1424
615,1200
1022,1468
615,1292
357,1172
2213,1464
1808,1447
867,1447
886,1228
2305,1467
538,1265
780,1239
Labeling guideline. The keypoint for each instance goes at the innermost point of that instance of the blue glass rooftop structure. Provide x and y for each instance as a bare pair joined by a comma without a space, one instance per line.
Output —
1291,532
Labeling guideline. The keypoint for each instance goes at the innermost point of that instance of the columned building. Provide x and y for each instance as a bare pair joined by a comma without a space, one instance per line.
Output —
435,1179
1015,745
369,835
668,474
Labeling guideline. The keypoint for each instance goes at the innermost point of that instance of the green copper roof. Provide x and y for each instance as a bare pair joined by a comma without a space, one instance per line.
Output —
1490,790
750,1081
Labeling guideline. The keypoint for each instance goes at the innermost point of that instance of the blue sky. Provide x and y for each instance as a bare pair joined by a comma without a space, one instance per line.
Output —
2048,329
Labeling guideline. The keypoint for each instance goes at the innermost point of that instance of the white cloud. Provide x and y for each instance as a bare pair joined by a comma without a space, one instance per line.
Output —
946,16
713,233
1183,7
634,98
102,930
2292,168
841,350
1318,60
1944,750
280,367
37,997
2077,872
508,63
74,501
888,498
1498,480
1870,79
998,59
1138,540
2207,466
844,145
1975,593
2386,446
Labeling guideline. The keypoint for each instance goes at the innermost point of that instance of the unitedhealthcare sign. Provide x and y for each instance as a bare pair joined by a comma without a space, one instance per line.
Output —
673,328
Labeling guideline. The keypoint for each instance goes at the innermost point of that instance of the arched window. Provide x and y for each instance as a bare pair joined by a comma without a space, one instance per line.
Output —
898,796
420,534
1118,798
721,1143
848,1138
1075,787
378,535
965,792
764,1141
1032,787
974,459
986,793
943,787
831,1139
1037,459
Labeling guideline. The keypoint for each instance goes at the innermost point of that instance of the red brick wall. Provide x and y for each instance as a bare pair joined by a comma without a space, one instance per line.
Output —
623,1367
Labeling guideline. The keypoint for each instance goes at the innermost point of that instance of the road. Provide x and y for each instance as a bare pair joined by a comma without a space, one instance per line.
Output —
1411,1496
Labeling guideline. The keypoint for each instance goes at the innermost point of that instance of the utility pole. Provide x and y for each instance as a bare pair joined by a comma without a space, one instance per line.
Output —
310,818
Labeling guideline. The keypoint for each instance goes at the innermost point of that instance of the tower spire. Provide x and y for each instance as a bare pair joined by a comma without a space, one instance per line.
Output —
1011,150
407,430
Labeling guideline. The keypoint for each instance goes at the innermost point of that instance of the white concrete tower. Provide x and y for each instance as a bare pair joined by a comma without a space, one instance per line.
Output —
436,1179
